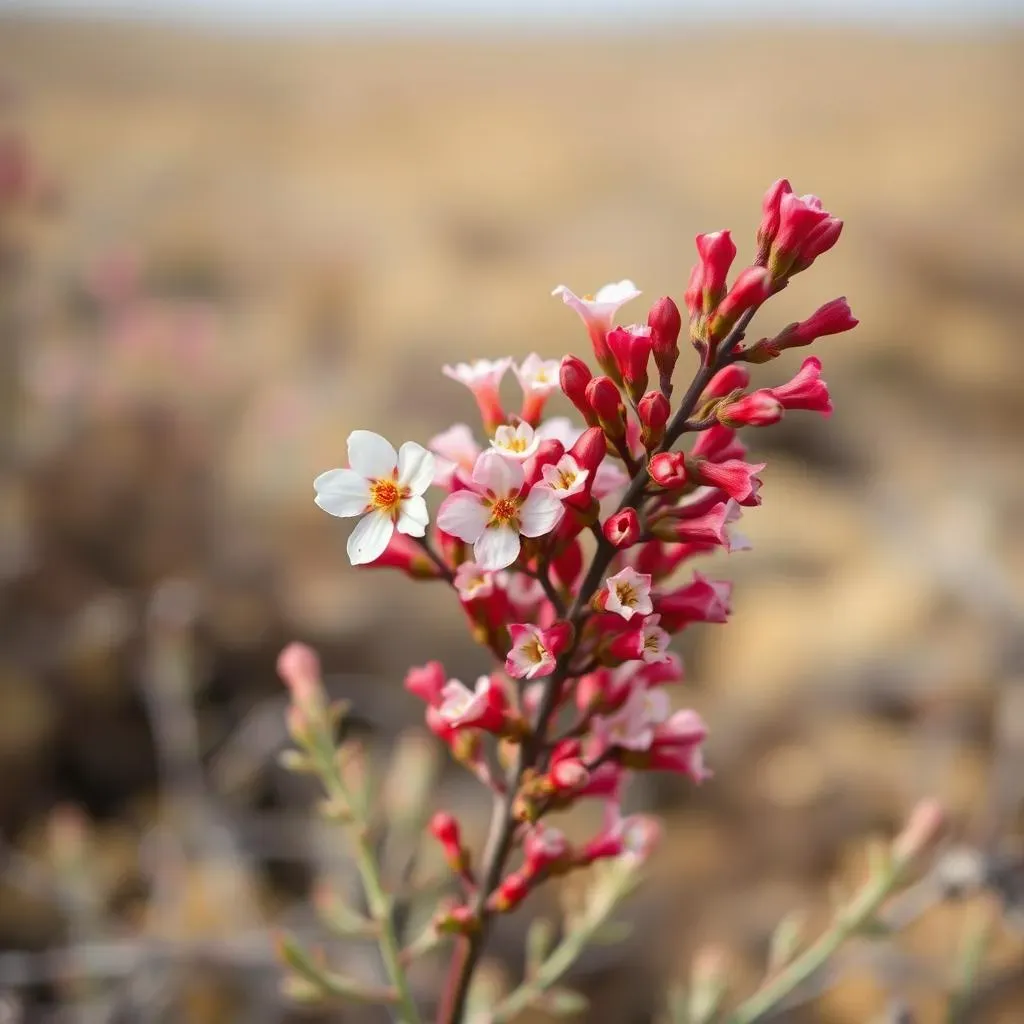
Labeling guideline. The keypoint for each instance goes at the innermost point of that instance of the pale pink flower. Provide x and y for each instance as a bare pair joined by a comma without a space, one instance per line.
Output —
534,650
629,593
656,640
632,726
480,708
474,583
456,450
494,513
609,479
565,478
598,311
537,376
382,486
518,442
483,378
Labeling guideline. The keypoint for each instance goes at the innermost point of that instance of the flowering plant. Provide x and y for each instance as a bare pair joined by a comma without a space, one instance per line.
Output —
562,542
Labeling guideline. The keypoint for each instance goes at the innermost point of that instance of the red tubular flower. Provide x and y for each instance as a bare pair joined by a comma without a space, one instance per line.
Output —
729,379
717,251
544,850
574,376
700,600
737,478
806,230
668,470
758,409
665,323
512,891
445,829
832,318
771,217
427,682
631,349
806,390
749,290
707,528
606,401
718,443
653,410
484,707
622,530
676,746
624,645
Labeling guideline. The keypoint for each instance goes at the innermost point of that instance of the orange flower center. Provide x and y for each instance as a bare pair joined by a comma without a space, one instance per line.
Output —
534,650
504,512
626,594
387,496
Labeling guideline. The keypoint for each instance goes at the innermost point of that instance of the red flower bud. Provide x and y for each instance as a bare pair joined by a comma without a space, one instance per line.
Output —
717,251
589,451
623,529
665,323
631,348
771,217
758,409
668,470
832,318
574,376
512,891
653,410
737,478
749,290
606,401
445,829
427,682
806,390
730,378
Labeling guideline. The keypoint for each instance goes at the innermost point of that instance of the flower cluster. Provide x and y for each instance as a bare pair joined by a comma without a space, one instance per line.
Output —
566,546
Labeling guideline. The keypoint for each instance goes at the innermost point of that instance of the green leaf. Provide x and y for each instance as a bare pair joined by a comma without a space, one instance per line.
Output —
611,933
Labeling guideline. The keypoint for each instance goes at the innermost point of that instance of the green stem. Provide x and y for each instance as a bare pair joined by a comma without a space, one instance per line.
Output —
972,952
377,899
850,920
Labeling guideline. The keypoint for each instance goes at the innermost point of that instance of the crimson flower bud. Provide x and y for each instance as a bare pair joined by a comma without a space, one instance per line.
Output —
606,401
574,376
749,290
631,348
806,390
770,219
806,230
729,379
717,251
627,645
623,529
427,682
548,453
734,476
457,921
653,410
589,451
445,829
819,241
832,318
665,323
512,891
668,470
758,409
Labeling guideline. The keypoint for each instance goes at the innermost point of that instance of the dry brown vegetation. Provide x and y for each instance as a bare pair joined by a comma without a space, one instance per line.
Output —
316,225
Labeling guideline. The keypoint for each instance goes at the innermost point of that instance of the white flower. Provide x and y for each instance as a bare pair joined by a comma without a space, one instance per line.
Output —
492,515
536,375
529,656
598,311
629,593
632,726
481,373
519,442
384,487
456,451
565,478
474,583
656,640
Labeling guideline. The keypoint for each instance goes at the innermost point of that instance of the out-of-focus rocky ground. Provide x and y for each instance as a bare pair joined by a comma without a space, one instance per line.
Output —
242,248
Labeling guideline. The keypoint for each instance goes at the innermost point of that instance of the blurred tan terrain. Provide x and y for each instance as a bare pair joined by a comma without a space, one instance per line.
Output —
254,245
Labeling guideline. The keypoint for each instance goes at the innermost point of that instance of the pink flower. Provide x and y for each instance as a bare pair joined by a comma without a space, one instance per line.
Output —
382,486
623,529
806,390
427,682
538,378
676,746
483,378
481,708
631,349
700,600
474,583
629,593
668,470
633,838
737,478
655,641
543,848
518,442
456,451
597,312
806,230
565,478
535,651
832,318
706,527
760,408
610,478
494,513
632,726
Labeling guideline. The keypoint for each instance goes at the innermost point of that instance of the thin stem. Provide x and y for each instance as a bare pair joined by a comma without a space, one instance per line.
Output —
441,564
503,824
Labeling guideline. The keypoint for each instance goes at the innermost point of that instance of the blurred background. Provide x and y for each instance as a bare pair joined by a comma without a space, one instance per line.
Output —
232,231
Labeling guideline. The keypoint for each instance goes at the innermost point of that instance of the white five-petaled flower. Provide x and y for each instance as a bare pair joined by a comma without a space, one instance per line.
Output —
656,640
518,442
382,486
529,656
485,373
632,726
456,450
474,583
536,375
629,593
565,478
494,513
598,311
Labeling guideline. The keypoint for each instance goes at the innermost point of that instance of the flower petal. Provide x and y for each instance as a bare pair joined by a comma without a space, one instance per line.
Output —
371,455
413,516
463,515
496,548
540,513
342,492
370,538
415,467
497,474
